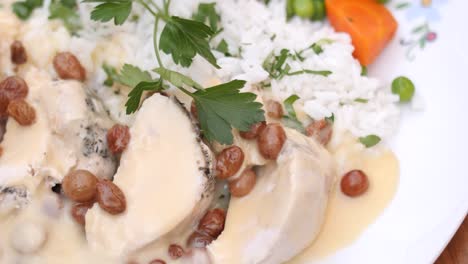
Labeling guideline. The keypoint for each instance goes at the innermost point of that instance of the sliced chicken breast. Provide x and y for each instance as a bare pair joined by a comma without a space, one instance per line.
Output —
284,212
165,174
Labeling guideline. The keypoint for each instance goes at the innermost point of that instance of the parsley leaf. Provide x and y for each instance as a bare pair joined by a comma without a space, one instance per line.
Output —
24,9
363,70
131,76
207,11
322,73
222,107
289,105
112,75
361,100
316,47
64,10
119,10
276,66
370,141
331,118
177,79
291,120
69,3
184,38
293,123
134,97
223,48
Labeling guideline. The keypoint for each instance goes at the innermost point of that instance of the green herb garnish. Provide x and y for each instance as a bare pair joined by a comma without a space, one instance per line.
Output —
117,10
289,105
207,13
65,10
277,67
370,141
331,118
363,70
403,87
184,38
112,75
223,48
322,73
293,123
317,47
220,108
134,97
131,76
24,9
361,100
290,120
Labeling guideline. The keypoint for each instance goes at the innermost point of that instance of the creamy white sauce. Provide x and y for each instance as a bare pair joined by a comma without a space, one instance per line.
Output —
64,239
347,218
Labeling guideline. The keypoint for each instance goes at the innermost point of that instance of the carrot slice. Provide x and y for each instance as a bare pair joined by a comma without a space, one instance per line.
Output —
370,25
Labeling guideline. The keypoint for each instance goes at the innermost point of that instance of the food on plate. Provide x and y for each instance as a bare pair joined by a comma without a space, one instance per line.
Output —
403,87
312,9
229,161
165,164
242,185
354,183
80,186
18,53
283,213
370,25
192,132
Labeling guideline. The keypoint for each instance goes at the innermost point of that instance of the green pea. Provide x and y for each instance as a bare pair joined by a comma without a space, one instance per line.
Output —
289,9
403,87
304,8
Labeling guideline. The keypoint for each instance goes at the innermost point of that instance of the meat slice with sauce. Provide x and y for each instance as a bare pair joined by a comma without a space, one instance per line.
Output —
166,176
70,132
284,212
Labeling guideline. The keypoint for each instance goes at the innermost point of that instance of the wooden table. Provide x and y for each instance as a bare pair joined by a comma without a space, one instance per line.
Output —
457,250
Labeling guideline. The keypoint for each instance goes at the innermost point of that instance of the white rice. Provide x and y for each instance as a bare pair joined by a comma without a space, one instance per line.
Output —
248,25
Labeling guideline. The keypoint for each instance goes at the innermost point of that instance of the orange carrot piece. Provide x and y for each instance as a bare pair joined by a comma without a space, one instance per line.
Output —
370,25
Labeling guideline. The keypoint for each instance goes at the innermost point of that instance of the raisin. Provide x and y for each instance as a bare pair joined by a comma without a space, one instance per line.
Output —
18,53
22,112
212,222
11,88
274,109
321,130
78,212
199,240
229,161
69,67
118,138
175,251
110,197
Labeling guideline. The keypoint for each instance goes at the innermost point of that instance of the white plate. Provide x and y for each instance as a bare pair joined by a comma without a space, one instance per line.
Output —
432,198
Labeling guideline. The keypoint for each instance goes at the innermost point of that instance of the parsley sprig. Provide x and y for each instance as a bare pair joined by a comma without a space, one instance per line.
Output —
221,107
277,66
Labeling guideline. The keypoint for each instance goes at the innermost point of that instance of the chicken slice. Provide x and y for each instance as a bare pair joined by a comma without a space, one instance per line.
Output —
69,133
165,174
284,212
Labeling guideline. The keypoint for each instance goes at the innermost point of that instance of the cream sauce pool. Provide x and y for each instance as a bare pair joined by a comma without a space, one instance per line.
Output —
347,218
